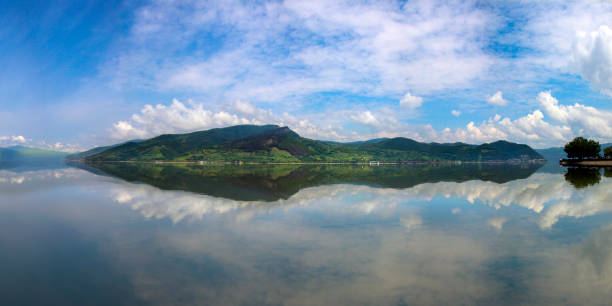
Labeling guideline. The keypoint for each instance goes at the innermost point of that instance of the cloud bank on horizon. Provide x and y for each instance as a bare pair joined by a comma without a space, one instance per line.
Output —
532,72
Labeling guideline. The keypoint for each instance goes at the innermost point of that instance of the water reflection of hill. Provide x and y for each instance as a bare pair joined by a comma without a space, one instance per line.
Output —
273,182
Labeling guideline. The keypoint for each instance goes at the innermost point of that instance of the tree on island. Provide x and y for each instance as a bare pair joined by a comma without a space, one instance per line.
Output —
582,148
608,152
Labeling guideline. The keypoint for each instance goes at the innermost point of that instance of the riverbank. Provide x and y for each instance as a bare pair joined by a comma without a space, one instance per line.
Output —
370,163
586,162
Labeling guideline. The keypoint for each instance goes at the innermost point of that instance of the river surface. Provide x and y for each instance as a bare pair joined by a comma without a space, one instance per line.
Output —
121,234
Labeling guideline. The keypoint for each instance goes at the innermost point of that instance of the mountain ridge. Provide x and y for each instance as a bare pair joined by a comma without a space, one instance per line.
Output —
272,143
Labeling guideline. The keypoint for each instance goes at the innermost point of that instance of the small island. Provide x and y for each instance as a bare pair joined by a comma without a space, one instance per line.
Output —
272,144
586,152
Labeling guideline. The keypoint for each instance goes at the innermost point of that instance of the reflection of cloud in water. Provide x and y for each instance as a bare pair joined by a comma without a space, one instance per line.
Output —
21,177
532,193
309,255
12,182
584,202
497,223
178,205
576,274
411,221
546,194
281,261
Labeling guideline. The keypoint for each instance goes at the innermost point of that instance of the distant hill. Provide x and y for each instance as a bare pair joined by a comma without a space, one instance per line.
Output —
271,143
82,155
552,154
557,153
19,155
274,143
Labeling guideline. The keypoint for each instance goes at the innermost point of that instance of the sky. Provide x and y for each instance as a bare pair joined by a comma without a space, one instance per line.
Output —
79,74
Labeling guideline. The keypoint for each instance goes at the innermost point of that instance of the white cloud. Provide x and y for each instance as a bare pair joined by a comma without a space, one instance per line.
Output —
497,99
592,57
565,122
245,107
65,147
176,118
365,118
282,52
274,50
13,140
530,129
584,120
179,117
568,36
410,101
560,125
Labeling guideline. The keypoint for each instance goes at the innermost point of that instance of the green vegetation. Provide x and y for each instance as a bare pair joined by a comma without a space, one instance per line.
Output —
273,182
582,148
271,143
608,152
83,155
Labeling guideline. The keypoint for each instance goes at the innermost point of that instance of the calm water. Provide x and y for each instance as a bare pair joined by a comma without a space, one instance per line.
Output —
288,235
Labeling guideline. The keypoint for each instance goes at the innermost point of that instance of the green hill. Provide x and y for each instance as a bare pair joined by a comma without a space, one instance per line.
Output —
82,155
271,143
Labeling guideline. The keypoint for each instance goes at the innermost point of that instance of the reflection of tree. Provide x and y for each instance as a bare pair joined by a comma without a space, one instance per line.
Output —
608,172
583,177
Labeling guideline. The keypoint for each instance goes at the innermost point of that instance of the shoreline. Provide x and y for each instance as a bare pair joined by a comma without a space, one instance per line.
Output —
371,163
586,162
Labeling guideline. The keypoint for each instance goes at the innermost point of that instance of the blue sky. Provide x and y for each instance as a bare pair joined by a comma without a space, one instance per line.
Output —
80,74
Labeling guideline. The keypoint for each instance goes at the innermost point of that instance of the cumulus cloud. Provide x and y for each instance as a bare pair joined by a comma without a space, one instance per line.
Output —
175,118
497,99
13,140
179,117
245,107
284,52
553,125
455,113
584,120
569,36
592,57
532,129
63,147
410,101
365,118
